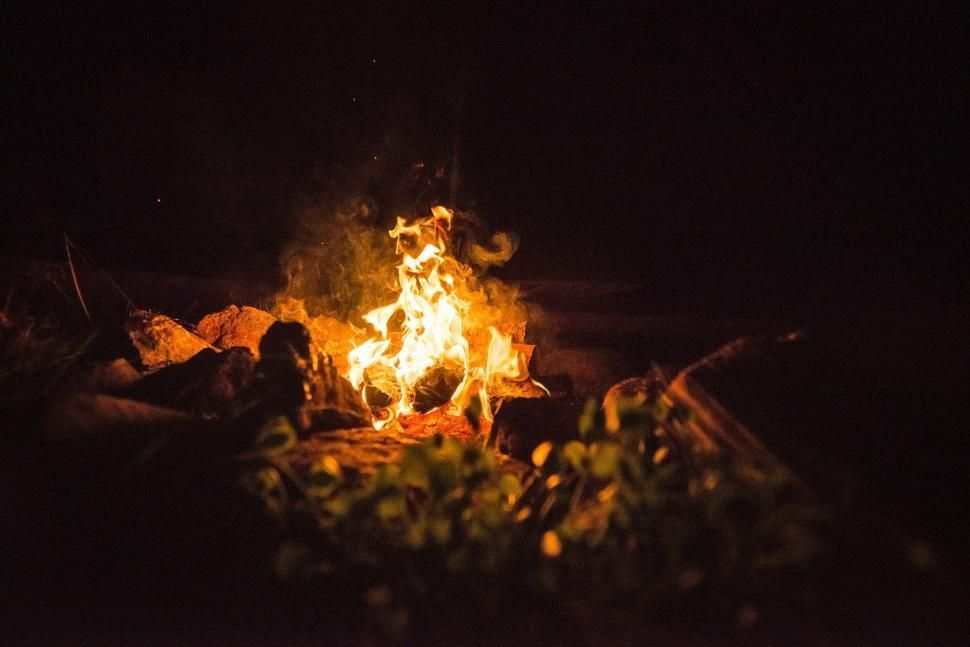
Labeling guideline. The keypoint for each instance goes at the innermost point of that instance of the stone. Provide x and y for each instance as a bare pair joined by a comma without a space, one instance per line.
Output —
286,339
333,401
110,377
331,336
728,390
234,326
307,388
210,383
640,390
591,370
83,416
161,341
521,424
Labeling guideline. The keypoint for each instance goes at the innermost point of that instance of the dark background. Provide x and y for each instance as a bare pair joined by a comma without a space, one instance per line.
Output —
735,157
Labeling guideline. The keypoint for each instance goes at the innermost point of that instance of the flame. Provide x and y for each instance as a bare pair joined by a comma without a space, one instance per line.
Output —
431,332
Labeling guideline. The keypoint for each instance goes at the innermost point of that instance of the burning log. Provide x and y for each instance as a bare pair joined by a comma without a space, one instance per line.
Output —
435,388
160,340
423,336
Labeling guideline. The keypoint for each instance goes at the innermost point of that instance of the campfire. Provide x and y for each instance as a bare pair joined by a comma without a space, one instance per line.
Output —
430,349
402,455
441,357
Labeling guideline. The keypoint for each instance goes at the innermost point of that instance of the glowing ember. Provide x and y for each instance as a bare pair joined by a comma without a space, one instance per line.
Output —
428,335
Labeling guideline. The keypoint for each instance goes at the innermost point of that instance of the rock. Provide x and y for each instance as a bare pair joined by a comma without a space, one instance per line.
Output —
160,340
520,425
591,370
727,391
311,393
333,337
236,326
232,383
83,417
111,377
785,400
288,340
334,403
210,383
641,390
329,335
362,451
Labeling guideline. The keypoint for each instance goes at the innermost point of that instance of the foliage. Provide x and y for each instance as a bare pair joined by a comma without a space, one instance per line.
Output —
626,517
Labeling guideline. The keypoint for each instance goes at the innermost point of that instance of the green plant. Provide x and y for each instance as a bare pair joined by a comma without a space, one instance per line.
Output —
628,516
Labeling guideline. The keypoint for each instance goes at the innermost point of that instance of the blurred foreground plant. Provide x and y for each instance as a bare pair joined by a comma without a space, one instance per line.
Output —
625,516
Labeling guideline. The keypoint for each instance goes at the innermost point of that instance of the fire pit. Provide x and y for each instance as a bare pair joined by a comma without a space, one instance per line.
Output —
384,465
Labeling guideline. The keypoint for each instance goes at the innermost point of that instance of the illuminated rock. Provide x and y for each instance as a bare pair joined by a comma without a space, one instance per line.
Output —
160,340
235,326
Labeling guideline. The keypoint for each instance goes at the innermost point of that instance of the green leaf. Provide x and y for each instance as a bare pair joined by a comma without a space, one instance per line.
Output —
443,476
324,476
574,452
591,418
276,435
439,530
391,507
414,468
541,453
510,485
606,459
387,476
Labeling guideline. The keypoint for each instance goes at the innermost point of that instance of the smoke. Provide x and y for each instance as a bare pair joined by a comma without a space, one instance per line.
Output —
343,264
475,246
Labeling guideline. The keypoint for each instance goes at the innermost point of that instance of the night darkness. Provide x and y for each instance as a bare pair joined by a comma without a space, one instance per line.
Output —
733,158
789,176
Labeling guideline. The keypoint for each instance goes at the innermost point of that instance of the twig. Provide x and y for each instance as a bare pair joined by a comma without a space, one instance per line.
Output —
114,284
77,286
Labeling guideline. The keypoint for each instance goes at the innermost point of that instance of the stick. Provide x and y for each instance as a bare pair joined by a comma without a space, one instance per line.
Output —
77,286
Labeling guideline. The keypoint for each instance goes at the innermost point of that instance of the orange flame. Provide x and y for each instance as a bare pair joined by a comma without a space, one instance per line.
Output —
431,331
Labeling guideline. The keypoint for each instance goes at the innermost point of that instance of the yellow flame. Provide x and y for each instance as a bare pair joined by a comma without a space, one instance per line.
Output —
430,335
